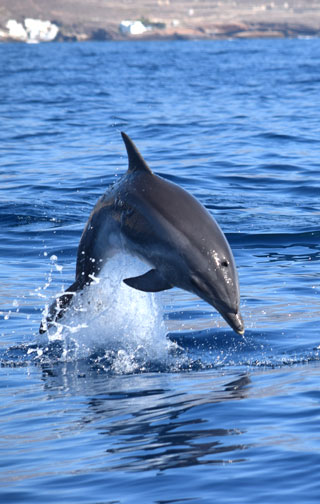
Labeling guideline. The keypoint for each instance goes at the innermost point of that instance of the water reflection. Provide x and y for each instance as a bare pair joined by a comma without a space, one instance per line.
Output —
155,422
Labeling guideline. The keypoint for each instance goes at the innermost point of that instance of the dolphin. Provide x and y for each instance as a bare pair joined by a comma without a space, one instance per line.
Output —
168,229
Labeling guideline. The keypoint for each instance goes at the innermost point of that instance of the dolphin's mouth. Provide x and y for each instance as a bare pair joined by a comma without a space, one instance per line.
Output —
235,321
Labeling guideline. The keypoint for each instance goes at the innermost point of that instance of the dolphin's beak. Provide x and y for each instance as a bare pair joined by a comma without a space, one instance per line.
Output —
235,321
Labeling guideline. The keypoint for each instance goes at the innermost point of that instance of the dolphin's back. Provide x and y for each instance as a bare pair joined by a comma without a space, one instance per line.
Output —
167,211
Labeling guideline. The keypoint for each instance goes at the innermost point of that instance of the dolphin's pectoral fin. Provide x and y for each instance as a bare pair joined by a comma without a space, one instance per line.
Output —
151,281
58,308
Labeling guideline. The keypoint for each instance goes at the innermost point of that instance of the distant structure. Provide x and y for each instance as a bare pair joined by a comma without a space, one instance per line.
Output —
129,27
32,32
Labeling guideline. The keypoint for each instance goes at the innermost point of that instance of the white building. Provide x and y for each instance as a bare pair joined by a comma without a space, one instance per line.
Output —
128,27
16,30
34,30
40,31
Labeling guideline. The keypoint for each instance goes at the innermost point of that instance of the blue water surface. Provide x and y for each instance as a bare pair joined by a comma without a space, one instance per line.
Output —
152,398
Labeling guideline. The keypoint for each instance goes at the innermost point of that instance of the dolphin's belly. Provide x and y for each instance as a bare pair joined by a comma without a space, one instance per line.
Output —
100,241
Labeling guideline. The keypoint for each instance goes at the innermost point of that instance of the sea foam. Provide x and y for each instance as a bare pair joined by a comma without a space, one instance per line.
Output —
109,316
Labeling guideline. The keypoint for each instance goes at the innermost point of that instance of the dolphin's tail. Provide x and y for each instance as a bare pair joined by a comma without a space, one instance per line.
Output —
58,308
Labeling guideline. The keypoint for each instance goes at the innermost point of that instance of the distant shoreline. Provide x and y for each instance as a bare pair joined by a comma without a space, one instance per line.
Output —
253,33
109,20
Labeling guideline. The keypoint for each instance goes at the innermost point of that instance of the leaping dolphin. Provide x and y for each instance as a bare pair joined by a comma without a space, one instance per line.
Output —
168,229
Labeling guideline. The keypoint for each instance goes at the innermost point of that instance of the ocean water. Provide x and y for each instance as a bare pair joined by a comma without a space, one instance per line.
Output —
151,398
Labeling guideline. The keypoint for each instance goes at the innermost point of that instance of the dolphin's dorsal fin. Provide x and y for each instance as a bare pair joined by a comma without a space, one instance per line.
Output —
136,161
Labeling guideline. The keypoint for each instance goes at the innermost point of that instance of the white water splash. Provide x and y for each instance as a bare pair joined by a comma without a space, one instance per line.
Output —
111,316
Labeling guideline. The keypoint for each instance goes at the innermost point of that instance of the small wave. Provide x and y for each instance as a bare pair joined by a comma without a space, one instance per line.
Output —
38,134
274,239
17,214
271,135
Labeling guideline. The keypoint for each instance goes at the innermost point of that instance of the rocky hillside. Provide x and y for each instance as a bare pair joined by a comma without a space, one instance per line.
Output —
100,19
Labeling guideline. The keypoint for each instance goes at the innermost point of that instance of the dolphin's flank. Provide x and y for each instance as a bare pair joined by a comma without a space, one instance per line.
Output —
169,230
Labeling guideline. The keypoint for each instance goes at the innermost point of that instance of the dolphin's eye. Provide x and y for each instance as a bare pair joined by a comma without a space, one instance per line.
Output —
224,263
